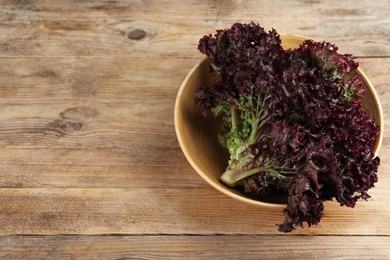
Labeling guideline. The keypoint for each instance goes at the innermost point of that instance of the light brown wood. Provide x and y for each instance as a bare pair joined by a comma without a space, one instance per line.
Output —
87,139
101,28
195,247
172,211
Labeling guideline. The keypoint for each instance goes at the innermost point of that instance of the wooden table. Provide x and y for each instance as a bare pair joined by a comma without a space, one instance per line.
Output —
89,161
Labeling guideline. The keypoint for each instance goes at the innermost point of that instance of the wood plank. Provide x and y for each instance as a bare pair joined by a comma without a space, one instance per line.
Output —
171,211
194,247
39,28
81,81
165,167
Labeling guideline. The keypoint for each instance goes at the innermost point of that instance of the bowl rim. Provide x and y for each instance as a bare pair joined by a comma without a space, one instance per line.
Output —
378,105
241,197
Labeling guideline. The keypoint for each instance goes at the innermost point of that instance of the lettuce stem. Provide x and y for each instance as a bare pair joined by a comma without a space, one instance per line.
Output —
234,118
232,177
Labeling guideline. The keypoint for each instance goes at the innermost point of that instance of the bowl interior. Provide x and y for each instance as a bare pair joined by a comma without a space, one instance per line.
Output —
197,134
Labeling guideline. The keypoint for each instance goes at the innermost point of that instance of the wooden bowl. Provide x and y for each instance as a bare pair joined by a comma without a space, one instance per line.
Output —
197,135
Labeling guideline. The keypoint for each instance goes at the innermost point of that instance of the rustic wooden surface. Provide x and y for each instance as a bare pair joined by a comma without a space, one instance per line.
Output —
89,161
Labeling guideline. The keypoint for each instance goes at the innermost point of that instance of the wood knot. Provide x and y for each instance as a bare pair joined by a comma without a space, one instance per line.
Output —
62,127
72,120
136,34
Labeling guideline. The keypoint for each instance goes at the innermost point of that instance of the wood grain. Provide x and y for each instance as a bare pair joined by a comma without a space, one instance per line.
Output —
171,211
195,247
101,28
90,166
